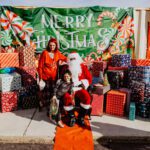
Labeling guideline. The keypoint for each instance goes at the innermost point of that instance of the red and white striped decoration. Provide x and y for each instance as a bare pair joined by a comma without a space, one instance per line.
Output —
9,60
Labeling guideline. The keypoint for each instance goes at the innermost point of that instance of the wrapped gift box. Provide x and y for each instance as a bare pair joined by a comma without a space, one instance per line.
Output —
137,91
8,101
28,90
10,82
2,50
97,105
28,97
132,110
115,103
28,80
27,71
128,98
98,66
147,90
95,80
28,75
140,62
9,60
100,89
139,73
116,78
143,108
121,60
28,102
26,56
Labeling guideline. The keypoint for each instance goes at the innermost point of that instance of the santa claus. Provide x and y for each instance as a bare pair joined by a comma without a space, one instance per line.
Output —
81,78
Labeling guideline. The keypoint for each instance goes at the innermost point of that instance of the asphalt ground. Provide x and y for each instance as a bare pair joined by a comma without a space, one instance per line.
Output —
104,143
108,146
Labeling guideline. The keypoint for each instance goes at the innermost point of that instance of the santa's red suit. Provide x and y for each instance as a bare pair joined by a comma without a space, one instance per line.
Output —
82,78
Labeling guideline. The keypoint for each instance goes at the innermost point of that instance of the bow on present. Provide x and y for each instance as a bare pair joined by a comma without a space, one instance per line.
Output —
8,49
2,50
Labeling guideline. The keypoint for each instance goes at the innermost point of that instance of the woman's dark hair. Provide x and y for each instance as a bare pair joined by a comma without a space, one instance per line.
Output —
54,41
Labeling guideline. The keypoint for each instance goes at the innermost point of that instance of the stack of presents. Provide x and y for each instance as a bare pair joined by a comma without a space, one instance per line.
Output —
18,85
121,87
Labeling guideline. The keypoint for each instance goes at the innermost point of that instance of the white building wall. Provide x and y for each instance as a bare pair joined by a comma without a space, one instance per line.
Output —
142,17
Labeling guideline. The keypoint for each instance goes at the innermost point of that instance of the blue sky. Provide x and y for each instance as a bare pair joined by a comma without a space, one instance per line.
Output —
77,3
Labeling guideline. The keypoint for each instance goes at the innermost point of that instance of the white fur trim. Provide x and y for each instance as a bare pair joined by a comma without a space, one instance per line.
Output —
68,108
76,83
76,56
85,83
76,88
85,106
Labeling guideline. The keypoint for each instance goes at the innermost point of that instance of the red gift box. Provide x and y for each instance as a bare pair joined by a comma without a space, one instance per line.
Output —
8,101
98,66
97,105
115,103
26,56
28,75
9,60
27,71
140,62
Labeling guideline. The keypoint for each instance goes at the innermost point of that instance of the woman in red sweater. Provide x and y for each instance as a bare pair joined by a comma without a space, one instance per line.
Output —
47,70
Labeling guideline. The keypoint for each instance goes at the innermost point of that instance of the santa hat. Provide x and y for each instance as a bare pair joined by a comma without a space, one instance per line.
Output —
75,55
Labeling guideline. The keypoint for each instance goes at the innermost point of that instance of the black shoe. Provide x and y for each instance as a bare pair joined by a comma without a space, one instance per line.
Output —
40,109
89,113
72,119
72,122
40,106
81,122
47,113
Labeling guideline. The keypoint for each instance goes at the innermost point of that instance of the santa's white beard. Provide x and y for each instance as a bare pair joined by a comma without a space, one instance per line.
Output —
75,70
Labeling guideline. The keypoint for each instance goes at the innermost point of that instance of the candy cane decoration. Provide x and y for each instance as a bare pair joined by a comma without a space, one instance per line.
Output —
93,53
88,61
10,21
105,14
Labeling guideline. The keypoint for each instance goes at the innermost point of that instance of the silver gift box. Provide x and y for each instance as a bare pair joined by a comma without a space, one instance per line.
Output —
10,82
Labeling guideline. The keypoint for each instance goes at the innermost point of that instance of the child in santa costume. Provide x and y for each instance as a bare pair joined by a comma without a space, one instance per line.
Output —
81,78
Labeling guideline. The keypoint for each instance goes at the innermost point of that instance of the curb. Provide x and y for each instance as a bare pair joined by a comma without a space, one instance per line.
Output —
26,140
49,140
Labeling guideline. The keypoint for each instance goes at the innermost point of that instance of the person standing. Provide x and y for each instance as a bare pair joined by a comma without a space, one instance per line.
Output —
48,69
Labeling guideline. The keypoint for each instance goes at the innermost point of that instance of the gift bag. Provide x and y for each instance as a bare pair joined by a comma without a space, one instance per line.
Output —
54,106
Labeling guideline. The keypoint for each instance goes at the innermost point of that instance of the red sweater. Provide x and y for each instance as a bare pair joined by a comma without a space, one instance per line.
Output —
47,68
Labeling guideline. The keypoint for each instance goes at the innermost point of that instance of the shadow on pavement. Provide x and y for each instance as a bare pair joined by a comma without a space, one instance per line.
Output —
112,130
